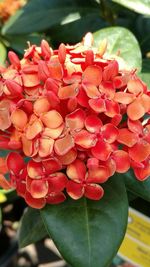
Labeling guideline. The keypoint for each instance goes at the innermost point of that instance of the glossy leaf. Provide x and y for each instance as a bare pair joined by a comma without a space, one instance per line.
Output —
3,54
141,189
38,15
123,41
139,6
32,228
88,233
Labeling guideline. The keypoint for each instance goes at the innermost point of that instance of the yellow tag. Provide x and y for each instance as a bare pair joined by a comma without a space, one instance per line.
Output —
3,198
136,244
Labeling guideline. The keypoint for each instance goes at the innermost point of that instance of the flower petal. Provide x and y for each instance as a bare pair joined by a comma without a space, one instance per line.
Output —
124,98
41,105
76,170
135,126
51,165
30,80
94,191
109,132
36,203
140,151
75,120
112,108
52,119
135,110
122,161
33,129
55,198
85,139
57,182
74,190
98,105
93,75
15,163
19,119
127,138
38,188
68,91
53,133
69,157
34,169
63,145
93,124
45,147
98,175
135,86
102,150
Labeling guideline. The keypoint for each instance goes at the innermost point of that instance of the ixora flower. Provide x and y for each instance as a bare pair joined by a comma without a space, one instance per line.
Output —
72,118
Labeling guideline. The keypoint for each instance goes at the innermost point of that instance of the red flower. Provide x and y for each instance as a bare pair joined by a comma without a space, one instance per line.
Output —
73,112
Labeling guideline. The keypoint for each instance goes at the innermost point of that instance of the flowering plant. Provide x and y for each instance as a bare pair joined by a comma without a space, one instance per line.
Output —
74,118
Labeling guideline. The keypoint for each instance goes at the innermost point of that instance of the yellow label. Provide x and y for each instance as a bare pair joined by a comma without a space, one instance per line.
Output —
136,244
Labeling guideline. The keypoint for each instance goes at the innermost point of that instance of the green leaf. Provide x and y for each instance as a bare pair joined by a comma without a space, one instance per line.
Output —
3,54
141,189
69,32
145,74
139,6
122,40
31,228
88,233
38,15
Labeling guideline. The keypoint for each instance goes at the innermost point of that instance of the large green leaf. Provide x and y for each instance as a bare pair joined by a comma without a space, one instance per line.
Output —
31,228
141,189
70,33
38,15
122,40
140,6
145,74
88,233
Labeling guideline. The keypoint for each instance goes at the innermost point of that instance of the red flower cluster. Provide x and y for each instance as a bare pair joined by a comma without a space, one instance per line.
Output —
77,116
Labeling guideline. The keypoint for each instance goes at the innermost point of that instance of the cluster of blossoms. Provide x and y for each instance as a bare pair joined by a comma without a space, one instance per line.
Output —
9,8
73,119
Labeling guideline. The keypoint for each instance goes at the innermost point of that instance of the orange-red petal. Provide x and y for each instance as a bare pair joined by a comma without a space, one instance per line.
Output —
15,163
127,137
75,120
122,161
93,124
76,170
63,145
93,75
52,119
99,174
57,182
109,132
36,203
34,169
38,188
94,191
74,190
140,151
102,150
